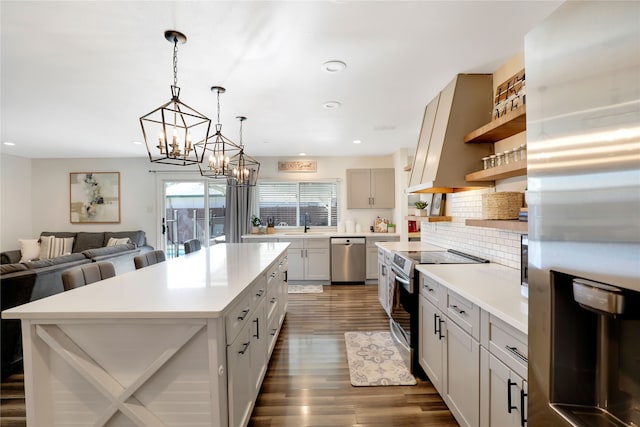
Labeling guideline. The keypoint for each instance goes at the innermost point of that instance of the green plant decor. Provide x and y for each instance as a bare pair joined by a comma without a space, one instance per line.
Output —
421,205
255,221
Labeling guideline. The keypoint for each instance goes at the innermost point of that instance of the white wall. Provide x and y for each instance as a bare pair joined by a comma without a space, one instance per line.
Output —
16,201
37,196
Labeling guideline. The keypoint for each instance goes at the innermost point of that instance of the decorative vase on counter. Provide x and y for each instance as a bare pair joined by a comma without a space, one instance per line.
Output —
255,229
420,212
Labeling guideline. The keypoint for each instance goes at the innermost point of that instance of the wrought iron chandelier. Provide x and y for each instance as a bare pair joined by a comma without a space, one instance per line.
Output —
180,129
244,168
220,150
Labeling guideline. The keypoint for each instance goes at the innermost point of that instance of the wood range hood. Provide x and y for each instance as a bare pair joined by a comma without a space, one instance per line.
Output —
442,158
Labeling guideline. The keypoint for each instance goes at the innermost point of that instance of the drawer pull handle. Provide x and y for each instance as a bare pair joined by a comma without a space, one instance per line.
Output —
428,288
523,418
260,293
273,300
244,314
455,307
273,274
245,346
273,332
515,352
257,322
509,405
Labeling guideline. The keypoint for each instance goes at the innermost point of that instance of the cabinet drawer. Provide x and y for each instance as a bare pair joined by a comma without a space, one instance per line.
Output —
238,315
464,313
318,243
272,274
258,290
433,291
509,345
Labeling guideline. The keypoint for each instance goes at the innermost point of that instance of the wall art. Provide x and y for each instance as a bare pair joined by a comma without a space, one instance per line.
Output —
94,197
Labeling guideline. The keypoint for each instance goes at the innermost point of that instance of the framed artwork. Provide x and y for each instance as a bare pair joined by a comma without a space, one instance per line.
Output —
437,205
94,197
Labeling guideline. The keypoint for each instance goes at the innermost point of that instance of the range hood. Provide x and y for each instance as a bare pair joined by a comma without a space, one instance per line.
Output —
442,158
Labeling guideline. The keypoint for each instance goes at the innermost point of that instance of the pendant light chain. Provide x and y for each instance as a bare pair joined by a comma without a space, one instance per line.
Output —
175,61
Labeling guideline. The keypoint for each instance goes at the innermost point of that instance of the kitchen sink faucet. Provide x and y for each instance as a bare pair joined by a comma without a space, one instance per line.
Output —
306,221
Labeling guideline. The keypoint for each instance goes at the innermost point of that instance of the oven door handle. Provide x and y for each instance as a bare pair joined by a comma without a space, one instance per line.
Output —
400,277
398,340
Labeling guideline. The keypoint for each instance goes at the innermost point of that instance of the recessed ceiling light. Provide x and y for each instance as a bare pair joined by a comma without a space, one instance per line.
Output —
357,141
303,154
11,144
334,66
331,105
137,143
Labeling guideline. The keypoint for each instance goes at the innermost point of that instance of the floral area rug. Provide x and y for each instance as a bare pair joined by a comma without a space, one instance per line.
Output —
374,360
305,289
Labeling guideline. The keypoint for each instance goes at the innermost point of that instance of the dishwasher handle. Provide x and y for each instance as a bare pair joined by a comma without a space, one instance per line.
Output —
347,240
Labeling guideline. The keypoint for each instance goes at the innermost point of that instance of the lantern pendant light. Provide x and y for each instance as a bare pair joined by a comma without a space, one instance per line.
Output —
244,168
170,130
219,150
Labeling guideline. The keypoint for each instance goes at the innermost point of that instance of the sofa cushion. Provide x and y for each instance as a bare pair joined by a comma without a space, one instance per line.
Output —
86,240
58,233
53,247
11,268
29,249
113,241
107,250
137,237
31,265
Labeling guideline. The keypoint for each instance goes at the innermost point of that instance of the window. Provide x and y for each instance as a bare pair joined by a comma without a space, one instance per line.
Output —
287,203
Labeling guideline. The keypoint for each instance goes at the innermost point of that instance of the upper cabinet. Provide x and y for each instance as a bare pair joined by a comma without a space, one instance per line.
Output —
371,188
442,158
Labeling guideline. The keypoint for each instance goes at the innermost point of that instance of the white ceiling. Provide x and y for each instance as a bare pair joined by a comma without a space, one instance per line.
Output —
77,75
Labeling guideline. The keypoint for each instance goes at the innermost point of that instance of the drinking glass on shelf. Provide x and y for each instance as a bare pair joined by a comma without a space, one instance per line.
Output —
486,164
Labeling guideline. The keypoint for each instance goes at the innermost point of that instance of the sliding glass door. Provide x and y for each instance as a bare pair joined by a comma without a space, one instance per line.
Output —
193,209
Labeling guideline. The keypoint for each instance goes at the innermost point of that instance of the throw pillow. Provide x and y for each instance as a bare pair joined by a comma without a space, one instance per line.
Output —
52,247
113,241
29,249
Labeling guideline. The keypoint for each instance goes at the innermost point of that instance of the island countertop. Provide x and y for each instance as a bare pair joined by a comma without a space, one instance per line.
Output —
197,285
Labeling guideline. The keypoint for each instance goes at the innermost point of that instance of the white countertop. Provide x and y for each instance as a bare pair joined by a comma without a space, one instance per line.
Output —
408,246
201,284
493,287
318,235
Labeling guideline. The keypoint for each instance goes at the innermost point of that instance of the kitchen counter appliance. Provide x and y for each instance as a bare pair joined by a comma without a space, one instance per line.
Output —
404,294
348,260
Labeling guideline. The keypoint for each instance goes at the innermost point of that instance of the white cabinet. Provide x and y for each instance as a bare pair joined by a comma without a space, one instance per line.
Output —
449,348
372,253
384,279
252,326
371,188
504,372
309,259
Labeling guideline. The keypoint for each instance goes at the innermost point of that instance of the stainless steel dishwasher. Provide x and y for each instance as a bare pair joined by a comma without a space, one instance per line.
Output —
348,259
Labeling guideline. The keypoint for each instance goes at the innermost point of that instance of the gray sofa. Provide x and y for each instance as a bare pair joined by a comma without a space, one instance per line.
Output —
87,247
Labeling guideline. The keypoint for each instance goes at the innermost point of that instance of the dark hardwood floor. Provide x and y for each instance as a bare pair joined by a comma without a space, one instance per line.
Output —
307,383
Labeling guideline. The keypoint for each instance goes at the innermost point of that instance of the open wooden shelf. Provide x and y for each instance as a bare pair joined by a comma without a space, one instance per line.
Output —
502,224
428,218
415,234
498,172
500,128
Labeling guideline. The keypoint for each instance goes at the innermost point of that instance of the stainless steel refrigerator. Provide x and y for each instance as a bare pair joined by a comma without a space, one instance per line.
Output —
583,146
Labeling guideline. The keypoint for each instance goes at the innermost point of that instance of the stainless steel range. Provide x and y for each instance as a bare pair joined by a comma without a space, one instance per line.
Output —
403,296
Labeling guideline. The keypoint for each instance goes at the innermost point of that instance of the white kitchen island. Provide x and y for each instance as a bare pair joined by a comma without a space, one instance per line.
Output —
181,343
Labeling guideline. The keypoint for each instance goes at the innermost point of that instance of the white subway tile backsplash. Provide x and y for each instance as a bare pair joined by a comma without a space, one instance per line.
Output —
499,246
